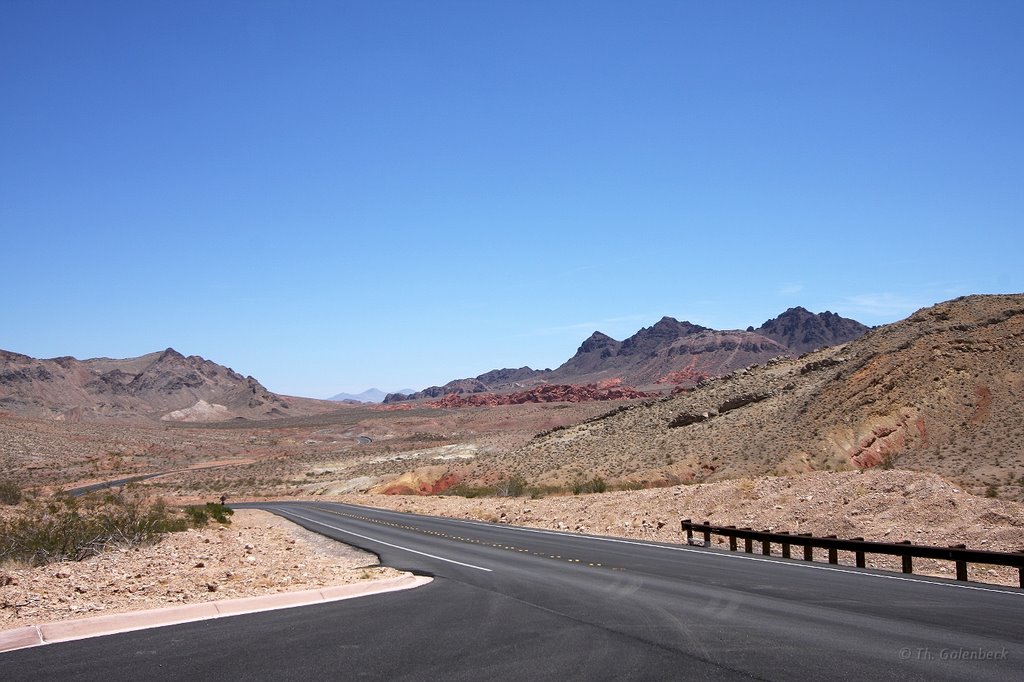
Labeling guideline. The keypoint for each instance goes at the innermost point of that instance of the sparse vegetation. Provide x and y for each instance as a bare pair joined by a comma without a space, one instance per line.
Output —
10,492
594,485
464,490
746,489
65,528
201,515
513,486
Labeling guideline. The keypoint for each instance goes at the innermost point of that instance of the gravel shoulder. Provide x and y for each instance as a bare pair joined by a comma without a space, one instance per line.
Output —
257,554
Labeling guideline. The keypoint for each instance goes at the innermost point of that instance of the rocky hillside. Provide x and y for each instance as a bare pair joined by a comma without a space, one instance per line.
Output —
165,385
496,379
667,354
548,393
940,391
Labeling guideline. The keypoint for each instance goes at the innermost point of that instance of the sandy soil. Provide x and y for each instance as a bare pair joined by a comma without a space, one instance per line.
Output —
257,554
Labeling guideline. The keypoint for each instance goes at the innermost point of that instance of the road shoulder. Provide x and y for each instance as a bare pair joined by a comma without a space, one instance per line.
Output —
64,631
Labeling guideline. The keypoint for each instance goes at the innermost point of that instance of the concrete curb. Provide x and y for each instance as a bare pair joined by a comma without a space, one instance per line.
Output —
65,631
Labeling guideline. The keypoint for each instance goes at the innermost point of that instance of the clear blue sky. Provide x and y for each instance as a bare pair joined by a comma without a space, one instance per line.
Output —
336,195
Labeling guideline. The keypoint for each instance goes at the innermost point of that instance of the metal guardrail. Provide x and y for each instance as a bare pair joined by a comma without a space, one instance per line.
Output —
959,554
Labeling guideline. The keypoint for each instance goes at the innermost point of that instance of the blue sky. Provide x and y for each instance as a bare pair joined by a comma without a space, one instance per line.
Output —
336,195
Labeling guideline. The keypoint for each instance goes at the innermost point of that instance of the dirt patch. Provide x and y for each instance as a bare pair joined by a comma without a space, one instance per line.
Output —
984,406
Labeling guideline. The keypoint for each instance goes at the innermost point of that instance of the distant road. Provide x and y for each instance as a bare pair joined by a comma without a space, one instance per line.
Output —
525,604
102,485
85,489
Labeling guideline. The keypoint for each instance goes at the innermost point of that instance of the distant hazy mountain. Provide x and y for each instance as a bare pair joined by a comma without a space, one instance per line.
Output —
370,395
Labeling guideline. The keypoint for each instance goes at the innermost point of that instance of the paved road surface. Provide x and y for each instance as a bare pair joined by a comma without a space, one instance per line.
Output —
86,489
518,603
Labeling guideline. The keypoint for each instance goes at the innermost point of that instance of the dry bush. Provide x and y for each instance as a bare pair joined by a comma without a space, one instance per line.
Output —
10,492
66,528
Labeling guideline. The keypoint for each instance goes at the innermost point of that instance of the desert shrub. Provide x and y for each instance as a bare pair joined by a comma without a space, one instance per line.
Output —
514,486
747,489
463,490
10,492
65,528
594,485
201,515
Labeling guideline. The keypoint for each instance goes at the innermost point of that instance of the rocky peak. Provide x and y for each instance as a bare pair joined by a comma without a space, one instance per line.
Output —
507,375
170,354
598,342
664,331
803,331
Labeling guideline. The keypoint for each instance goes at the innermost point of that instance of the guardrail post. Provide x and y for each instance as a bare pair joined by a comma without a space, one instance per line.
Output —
906,550
961,566
859,554
908,558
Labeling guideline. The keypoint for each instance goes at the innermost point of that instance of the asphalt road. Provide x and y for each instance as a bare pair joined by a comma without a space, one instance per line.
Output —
524,603
86,489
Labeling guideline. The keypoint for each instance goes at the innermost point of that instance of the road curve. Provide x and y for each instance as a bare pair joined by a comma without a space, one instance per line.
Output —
525,603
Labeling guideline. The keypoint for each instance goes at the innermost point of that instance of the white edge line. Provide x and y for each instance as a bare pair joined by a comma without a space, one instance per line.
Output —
366,537
730,555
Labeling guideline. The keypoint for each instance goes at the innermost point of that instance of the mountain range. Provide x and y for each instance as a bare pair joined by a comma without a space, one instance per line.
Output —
940,391
164,385
666,355
169,386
